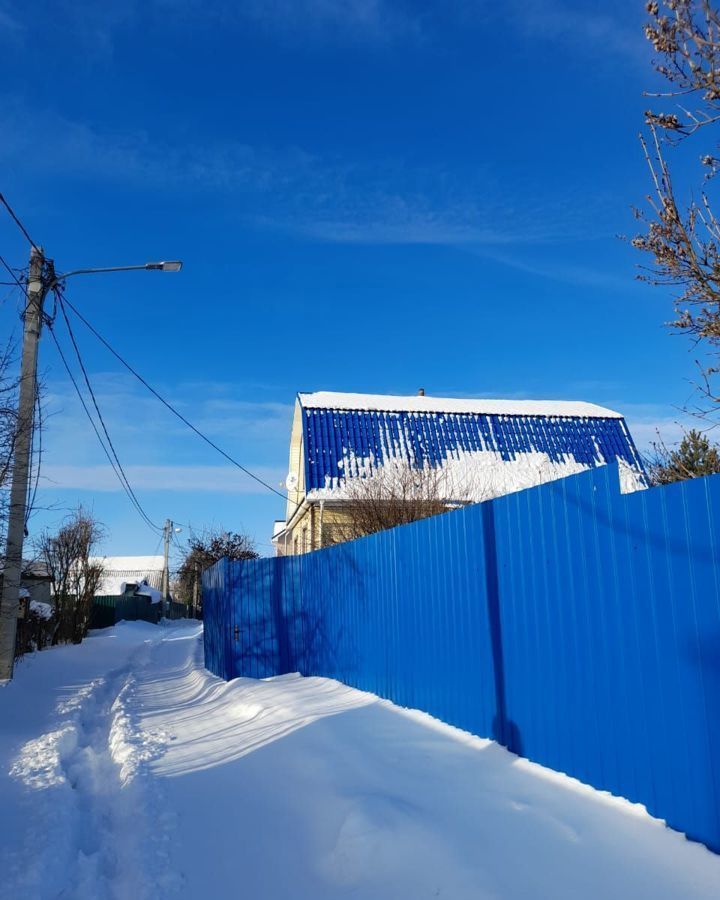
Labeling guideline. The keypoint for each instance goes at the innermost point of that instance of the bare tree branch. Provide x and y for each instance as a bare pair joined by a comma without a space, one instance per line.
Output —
400,492
683,239
67,555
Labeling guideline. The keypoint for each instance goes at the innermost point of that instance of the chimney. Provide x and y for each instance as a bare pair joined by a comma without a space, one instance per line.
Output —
421,392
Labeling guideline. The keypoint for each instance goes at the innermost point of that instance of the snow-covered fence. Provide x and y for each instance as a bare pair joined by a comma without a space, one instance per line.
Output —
578,626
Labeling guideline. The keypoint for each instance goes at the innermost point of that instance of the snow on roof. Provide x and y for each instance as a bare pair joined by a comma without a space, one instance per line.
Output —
346,436
133,563
416,403
121,570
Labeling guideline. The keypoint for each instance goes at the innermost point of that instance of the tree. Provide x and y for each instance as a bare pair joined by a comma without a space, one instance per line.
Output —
684,239
203,551
399,492
76,579
696,456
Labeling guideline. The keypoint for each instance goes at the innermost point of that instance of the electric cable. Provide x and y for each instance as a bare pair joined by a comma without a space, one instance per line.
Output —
133,500
12,274
86,377
18,222
169,406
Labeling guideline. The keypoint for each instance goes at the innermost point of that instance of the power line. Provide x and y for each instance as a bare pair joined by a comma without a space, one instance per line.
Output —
169,406
147,520
176,542
17,221
130,491
14,277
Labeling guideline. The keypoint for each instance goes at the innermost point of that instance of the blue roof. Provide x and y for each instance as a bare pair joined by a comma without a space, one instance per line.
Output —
333,436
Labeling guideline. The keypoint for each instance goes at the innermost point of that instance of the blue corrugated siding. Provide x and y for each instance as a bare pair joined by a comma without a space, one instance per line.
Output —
331,436
578,626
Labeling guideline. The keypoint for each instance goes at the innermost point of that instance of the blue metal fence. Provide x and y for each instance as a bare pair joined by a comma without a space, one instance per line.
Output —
577,626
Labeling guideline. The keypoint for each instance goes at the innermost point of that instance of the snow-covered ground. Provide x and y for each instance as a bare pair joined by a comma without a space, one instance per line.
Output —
128,771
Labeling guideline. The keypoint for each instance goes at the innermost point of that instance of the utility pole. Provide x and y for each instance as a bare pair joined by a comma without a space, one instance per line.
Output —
167,534
41,279
38,282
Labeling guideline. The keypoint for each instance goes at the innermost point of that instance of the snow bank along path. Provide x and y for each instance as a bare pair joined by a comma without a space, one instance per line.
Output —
128,771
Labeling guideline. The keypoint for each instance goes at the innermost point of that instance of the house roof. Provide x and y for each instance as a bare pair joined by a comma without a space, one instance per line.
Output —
416,403
31,568
121,570
346,435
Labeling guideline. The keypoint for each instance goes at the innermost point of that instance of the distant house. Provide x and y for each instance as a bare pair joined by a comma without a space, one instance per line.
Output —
126,574
485,448
35,581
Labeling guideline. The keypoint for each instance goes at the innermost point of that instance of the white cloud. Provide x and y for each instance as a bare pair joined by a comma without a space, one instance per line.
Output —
377,20
195,479
566,271
652,423
9,24
610,30
157,451
143,431
606,30
94,27
291,190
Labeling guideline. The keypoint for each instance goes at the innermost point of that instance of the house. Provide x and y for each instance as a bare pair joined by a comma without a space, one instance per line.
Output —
130,588
478,449
121,573
35,581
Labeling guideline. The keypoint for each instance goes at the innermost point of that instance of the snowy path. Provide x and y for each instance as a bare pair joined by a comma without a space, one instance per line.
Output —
130,772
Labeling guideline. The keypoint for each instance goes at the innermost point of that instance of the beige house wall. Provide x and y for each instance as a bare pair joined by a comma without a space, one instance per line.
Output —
320,524
296,467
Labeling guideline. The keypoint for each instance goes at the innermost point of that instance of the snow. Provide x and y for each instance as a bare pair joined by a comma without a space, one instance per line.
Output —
42,610
145,590
118,570
415,403
465,477
129,772
130,563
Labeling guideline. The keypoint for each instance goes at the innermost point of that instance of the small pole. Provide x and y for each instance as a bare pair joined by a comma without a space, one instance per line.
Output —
37,287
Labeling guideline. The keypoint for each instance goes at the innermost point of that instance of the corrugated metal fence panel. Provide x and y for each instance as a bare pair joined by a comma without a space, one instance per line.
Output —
108,609
134,608
577,626
217,627
102,613
175,610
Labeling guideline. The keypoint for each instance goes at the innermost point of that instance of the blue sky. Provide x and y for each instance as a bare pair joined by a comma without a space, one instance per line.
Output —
368,195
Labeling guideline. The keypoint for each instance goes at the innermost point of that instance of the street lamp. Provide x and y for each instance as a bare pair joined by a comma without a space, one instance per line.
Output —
172,265
41,279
